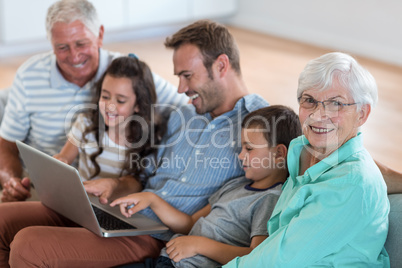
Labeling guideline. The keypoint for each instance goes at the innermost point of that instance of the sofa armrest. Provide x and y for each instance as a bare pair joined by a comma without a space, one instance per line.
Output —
393,244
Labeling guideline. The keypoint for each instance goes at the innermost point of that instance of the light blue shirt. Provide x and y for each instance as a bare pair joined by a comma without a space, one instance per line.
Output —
197,156
333,215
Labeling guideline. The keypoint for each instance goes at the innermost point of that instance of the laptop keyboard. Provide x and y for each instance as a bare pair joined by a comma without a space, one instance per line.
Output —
109,222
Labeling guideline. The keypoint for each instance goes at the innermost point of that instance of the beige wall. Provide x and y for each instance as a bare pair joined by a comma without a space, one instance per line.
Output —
370,28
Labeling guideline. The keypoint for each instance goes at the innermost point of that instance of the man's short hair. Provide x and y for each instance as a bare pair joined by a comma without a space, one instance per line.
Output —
212,39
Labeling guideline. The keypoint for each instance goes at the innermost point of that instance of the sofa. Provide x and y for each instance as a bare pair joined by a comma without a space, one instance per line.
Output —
393,245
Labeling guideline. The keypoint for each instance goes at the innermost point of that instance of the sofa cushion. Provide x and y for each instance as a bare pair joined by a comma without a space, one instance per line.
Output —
393,245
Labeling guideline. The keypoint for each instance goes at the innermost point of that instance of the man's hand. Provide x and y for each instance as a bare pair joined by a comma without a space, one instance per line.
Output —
16,189
102,188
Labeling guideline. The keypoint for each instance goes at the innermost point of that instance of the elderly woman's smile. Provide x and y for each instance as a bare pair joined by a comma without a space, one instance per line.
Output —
318,130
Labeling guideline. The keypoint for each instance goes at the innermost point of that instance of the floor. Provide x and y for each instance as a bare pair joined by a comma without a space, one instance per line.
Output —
271,67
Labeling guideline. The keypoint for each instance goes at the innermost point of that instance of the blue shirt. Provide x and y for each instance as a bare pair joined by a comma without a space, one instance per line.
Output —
333,215
197,156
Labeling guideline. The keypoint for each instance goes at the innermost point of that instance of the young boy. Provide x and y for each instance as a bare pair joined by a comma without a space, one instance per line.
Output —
235,220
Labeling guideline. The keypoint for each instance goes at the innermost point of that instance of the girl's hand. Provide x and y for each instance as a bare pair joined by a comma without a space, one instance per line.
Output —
102,188
133,203
182,247
61,158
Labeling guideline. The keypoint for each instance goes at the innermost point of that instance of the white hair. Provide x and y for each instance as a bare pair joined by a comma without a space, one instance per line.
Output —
321,73
68,11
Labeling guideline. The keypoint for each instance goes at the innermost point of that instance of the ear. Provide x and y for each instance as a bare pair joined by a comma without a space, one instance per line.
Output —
221,65
100,37
281,153
136,109
363,114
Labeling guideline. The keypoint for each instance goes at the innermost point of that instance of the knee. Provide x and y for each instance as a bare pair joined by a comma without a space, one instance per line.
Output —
8,227
26,250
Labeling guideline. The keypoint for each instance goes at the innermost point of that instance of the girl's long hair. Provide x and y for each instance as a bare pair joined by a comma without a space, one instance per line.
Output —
152,127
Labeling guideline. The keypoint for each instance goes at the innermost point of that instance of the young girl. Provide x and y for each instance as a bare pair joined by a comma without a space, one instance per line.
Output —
235,220
121,128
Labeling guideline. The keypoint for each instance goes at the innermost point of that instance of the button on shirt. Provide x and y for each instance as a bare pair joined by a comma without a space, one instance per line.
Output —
196,159
333,215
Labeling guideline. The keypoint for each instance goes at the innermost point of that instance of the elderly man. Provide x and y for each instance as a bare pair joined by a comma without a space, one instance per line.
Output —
48,88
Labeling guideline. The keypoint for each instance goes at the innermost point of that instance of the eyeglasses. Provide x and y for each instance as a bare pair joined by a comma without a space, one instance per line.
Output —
310,103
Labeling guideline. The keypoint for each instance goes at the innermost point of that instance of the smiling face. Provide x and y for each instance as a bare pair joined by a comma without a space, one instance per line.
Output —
325,130
194,81
77,51
117,101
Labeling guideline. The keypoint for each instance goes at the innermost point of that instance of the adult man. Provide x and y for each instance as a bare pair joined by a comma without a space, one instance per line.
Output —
48,88
197,156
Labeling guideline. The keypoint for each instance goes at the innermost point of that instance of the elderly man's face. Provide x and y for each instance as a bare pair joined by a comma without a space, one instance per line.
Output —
328,130
77,51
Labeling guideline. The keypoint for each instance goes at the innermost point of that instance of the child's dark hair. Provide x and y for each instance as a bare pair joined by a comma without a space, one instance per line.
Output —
280,122
144,89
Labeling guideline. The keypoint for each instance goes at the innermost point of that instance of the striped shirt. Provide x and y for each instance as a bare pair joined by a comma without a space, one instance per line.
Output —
42,104
197,156
111,160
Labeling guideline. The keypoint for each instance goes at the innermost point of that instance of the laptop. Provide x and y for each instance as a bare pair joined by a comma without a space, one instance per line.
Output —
60,188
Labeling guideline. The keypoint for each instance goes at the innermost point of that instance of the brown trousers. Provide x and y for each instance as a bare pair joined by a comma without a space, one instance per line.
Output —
32,235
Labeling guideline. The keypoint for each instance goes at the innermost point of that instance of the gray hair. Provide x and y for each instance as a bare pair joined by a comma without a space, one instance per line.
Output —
322,72
68,11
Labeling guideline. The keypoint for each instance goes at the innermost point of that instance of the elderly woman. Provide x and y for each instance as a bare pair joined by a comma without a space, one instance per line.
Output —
334,207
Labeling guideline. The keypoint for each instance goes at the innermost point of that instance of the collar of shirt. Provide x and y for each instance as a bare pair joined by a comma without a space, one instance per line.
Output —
252,101
246,104
57,80
314,172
